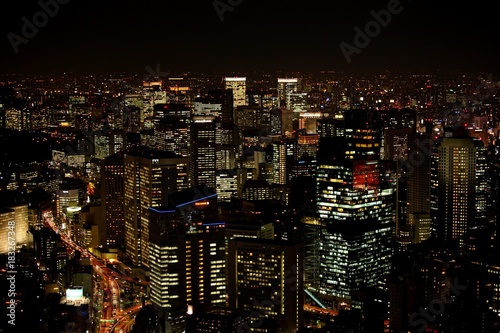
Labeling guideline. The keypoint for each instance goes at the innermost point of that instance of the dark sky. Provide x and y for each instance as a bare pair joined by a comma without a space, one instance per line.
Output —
105,36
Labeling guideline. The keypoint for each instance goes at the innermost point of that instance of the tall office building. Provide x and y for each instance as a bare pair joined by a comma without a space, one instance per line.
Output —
217,103
66,198
203,157
453,188
420,148
14,227
265,281
152,93
21,218
239,86
149,177
396,143
112,187
398,126
331,128
482,181
13,119
227,185
355,207
107,144
187,256
172,128
286,87
284,156
420,225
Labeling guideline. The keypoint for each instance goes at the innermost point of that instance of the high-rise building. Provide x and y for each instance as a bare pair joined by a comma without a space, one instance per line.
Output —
265,281
112,186
482,187
454,188
203,143
248,116
330,127
239,86
421,226
152,93
172,128
284,156
256,189
217,103
396,143
419,172
286,87
66,198
21,219
8,224
298,103
13,119
214,319
187,256
356,209
149,177
110,143
227,184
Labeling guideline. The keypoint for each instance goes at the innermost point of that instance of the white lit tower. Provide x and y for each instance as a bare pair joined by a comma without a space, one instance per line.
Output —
239,86
356,209
453,199
287,87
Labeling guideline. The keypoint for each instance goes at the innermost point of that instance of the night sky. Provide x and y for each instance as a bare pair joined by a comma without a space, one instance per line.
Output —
109,36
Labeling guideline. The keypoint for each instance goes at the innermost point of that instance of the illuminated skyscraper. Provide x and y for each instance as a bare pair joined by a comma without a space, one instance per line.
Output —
454,184
284,155
355,207
109,143
265,281
419,173
172,128
219,104
187,256
152,94
227,184
286,87
203,143
239,86
482,188
149,177
13,119
113,181
14,227
66,198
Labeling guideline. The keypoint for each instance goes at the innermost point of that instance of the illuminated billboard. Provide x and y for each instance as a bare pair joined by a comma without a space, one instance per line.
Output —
74,294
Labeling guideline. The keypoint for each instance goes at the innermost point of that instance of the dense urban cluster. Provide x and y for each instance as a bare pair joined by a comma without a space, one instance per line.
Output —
250,202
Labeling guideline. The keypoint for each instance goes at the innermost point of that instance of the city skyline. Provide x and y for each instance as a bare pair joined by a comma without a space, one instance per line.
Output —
249,166
218,192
